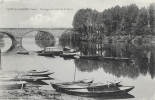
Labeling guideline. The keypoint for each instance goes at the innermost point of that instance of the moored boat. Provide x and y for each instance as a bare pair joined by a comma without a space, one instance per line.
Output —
35,71
38,74
23,52
92,57
50,52
105,92
118,59
31,78
93,86
46,54
67,55
12,85
66,49
23,78
70,54
85,81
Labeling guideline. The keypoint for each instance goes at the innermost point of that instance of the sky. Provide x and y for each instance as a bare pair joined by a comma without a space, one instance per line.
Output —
52,13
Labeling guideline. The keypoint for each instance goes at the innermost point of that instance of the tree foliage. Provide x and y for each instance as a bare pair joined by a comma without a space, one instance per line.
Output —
117,20
142,22
151,10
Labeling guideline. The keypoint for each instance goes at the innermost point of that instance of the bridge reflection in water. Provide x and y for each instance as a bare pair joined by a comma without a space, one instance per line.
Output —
40,43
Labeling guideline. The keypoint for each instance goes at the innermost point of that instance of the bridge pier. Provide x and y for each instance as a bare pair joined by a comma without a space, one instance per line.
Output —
19,41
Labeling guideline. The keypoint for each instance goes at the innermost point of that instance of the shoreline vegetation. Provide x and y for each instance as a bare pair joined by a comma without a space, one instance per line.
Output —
128,24
44,39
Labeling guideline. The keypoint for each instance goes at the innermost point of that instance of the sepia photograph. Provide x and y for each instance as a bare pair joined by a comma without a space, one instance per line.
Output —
77,50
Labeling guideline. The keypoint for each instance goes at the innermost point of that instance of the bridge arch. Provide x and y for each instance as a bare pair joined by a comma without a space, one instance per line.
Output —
38,30
13,38
40,42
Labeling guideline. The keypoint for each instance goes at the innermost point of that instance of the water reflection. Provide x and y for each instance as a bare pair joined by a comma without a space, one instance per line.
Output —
2,44
87,65
44,43
13,50
143,58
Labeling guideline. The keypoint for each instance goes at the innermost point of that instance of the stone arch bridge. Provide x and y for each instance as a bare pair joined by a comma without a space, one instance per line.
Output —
16,34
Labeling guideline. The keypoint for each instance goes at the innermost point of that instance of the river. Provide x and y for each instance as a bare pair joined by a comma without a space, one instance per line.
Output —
139,73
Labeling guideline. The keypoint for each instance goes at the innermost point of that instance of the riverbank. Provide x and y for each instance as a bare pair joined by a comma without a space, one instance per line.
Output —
74,36
35,94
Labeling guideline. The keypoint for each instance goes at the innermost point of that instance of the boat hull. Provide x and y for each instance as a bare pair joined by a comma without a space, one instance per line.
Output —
31,79
38,74
46,54
24,53
89,87
67,55
55,53
89,57
85,81
34,71
117,59
12,86
79,92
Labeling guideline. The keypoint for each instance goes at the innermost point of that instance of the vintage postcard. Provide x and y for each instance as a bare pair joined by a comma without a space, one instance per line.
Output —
77,49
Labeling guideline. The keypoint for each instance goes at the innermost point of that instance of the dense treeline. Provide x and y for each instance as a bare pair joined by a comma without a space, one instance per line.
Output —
69,36
116,21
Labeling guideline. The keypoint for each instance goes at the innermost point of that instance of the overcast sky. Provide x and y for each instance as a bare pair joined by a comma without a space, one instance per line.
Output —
52,13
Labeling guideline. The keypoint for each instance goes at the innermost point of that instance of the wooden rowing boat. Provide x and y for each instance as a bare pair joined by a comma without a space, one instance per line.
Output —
12,85
23,52
93,86
31,78
46,74
35,71
86,81
23,78
107,91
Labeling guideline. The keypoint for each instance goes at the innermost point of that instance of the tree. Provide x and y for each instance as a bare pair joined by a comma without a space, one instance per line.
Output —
80,18
116,18
142,22
107,20
151,10
130,14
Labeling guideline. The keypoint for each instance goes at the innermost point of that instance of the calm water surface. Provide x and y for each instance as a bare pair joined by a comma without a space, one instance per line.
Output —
139,73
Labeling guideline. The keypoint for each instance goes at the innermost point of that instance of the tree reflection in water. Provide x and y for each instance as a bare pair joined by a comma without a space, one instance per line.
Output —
86,65
143,58
44,39
44,43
